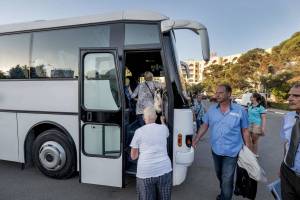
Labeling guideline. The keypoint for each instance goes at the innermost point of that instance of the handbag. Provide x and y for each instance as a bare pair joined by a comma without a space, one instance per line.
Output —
156,99
248,161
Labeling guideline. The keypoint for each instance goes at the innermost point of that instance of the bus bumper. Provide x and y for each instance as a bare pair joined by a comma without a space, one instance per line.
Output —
185,158
183,153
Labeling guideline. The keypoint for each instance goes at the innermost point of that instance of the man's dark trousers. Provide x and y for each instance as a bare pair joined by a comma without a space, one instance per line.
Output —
290,183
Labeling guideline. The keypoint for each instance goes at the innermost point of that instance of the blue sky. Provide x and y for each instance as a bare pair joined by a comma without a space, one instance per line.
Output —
234,25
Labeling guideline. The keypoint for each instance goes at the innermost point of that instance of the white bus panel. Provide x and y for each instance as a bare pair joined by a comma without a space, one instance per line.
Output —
9,136
51,96
27,120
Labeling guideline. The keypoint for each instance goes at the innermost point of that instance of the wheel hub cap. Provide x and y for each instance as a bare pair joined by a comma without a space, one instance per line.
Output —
52,156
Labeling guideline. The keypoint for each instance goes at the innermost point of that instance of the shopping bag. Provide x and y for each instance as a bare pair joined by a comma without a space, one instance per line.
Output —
248,161
244,185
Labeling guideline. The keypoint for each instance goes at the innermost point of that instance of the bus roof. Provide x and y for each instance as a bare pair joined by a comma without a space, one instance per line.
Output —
110,17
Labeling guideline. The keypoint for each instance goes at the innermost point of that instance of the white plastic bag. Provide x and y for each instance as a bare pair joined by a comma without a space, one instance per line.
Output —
248,161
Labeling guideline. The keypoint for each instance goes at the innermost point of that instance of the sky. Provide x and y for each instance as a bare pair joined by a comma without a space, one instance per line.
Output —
234,26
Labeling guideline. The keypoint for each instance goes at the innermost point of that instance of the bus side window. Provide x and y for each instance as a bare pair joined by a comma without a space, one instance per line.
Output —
100,83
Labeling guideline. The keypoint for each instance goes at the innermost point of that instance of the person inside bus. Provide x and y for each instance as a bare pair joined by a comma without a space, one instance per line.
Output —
149,146
130,104
111,76
145,92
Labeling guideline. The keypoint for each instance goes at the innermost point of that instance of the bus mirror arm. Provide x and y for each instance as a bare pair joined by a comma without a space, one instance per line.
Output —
120,54
194,26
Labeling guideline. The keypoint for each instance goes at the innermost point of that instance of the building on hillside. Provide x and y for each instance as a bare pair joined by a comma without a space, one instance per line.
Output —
196,67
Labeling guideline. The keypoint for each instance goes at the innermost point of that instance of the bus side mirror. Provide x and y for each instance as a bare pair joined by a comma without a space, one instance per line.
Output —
204,44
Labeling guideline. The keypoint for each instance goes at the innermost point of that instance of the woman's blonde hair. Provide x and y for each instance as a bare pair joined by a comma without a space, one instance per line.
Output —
148,76
150,113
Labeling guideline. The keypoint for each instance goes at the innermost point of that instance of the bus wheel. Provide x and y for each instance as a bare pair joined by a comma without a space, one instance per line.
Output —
54,155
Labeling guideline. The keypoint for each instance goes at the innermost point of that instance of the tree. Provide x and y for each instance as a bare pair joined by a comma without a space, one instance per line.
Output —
38,71
278,84
18,72
257,69
287,53
195,88
239,78
2,75
255,62
214,75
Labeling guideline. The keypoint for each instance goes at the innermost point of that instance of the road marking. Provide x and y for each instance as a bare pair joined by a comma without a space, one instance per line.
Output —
281,113
276,112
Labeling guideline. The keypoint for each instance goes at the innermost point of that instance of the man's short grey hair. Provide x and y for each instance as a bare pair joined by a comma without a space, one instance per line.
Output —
150,113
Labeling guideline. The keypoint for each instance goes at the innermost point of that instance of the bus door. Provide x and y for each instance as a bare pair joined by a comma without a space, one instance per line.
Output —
100,118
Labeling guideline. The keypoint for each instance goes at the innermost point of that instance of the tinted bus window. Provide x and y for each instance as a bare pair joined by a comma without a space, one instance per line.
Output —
100,82
141,34
14,56
55,53
102,140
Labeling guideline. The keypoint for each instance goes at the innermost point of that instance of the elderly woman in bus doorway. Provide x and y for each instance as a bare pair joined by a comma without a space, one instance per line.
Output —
145,92
154,171
257,119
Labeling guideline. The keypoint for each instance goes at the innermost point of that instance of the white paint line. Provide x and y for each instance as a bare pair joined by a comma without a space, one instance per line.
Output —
279,113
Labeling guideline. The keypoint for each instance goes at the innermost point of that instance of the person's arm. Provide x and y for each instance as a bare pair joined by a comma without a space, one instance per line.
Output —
200,134
135,93
264,121
163,119
129,90
135,143
285,148
244,128
194,112
284,153
283,136
246,137
205,108
134,153
202,130
285,141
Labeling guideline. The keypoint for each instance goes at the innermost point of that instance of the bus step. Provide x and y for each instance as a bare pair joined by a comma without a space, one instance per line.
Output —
131,170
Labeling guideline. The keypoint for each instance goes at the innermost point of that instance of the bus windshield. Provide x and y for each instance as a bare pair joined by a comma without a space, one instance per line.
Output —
182,81
199,30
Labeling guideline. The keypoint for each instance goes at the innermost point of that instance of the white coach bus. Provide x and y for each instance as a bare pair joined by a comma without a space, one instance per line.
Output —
62,104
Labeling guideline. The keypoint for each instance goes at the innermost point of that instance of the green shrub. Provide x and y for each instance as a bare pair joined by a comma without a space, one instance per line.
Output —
282,106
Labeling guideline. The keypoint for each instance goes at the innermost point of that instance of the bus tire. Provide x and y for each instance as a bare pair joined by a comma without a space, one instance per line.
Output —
54,155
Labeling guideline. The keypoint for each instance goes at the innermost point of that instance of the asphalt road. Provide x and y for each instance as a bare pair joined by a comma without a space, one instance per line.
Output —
201,182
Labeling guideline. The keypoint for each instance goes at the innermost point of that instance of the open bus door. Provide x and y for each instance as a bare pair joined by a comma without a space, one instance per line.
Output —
101,155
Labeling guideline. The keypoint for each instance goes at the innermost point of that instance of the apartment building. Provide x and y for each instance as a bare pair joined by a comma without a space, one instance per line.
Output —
196,67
